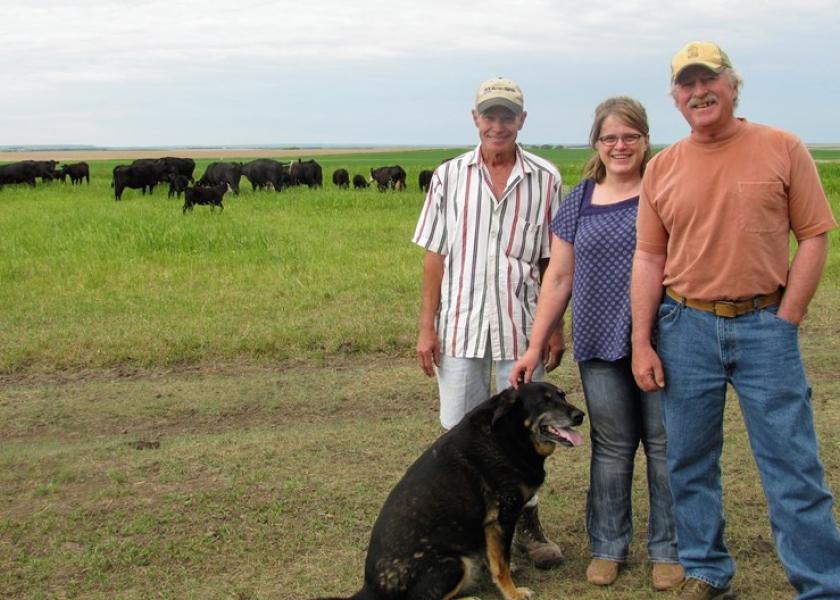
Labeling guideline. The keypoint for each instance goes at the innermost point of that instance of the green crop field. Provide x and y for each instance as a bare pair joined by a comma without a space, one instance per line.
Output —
214,405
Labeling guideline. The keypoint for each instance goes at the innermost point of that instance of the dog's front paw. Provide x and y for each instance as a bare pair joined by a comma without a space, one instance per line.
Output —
523,593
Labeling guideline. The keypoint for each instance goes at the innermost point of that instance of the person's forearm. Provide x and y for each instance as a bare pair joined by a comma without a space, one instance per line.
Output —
554,299
645,295
804,277
432,277
555,291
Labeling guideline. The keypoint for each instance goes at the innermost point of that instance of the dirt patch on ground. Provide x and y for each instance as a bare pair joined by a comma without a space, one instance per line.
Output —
219,368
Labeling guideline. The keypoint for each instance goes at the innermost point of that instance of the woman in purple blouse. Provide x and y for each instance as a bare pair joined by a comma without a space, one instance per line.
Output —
593,240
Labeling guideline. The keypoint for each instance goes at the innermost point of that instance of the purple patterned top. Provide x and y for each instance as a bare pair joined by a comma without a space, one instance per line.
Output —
604,239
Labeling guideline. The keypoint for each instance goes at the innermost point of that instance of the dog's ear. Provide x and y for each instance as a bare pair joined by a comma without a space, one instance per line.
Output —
504,402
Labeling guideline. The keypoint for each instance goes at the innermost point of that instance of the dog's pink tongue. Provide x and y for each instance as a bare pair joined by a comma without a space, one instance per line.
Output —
572,436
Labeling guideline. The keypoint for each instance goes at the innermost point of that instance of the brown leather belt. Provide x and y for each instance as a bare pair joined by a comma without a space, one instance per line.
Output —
726,308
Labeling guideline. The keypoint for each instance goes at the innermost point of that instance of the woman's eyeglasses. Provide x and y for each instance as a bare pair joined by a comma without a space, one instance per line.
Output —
629,139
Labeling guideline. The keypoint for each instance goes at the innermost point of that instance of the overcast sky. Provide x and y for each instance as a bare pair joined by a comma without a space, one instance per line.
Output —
382,72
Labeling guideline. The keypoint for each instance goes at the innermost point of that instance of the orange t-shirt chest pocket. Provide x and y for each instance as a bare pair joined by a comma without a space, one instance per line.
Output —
762,207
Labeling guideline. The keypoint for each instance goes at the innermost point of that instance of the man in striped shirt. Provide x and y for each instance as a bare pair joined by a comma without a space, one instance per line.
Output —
484,226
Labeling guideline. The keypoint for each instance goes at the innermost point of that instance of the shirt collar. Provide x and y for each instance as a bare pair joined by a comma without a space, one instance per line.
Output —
520,166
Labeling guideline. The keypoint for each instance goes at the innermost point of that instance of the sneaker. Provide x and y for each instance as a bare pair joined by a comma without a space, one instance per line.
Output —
530,539
602,571
694,589
666,575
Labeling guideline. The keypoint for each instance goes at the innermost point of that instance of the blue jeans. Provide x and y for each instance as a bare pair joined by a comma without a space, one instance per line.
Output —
620,416
758,354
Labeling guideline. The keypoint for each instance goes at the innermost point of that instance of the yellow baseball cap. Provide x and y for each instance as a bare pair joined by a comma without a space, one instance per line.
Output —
499,92
707,54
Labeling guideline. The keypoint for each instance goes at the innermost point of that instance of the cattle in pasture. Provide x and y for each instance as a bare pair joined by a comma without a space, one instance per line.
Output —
18,172
45,169
76,172
177,184
138,176
385,177
152,165
359,182
27,171
341,179
425,179
265,172
222,172
211,196
178,166
306,172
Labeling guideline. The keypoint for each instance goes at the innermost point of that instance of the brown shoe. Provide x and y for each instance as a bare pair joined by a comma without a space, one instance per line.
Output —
666,575
694,589
602,571
530,539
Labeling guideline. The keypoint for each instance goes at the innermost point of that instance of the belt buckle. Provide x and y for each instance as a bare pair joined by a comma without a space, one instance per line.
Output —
724,308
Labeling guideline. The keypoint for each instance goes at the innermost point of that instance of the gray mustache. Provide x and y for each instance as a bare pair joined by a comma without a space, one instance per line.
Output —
698,101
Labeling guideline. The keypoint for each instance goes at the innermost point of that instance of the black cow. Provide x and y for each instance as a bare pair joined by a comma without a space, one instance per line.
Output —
77,172
359,182
19,172
211,196
385,177
45,169
306,172
341,179
138,175
178,166
425,179
153,165
26,171
263,172
222,172
177,184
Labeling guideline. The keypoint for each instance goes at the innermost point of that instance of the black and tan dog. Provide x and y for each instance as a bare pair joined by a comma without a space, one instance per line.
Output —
458,504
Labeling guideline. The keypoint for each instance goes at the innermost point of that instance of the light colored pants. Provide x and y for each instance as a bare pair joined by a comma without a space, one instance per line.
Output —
464,383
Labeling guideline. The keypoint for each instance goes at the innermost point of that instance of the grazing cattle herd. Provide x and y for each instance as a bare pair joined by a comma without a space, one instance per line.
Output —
388,177
264,174
341,179
26,171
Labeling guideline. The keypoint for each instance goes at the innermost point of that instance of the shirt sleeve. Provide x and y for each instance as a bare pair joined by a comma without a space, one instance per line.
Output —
651,234
564,224
810,212
553,205
430,232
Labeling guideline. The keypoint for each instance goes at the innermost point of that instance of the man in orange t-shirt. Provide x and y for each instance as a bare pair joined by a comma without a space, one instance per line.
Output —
715,214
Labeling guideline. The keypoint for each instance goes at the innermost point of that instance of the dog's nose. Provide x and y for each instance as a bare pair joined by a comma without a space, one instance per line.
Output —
577,416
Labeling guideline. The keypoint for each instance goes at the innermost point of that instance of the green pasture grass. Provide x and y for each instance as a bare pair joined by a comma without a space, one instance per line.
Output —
303,274
88,282
826,154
